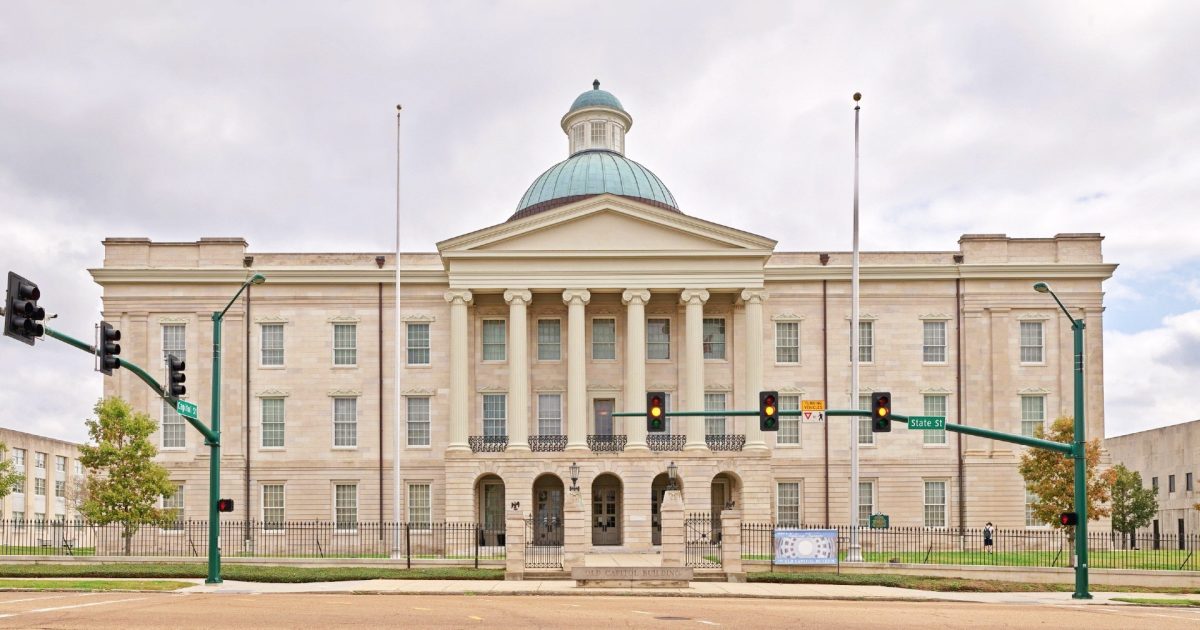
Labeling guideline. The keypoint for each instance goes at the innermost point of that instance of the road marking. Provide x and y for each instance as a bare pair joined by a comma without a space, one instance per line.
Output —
35,599
641,612
41,610
711,623
474,617
419,608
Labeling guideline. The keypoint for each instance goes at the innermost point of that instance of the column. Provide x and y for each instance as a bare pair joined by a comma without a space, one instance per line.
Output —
460,398
518,369
514,545
753,299
575,300
693,399
635,365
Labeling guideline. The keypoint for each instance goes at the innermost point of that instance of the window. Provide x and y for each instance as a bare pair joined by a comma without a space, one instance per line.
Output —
787,504
345,506
60,464
494,415
78,467
935,405
174,342
789,426
787,342
18,516
577,137
272,506
1031,342
550,414
419,511
39,486
345,422
60,489
866,342
1030,519
1154,484
604,339
658,339
934,347
599,134
935,504
418,343
39,460
272,344
493,340
19,458
1170,483
549,340
1187,482
714,402
1033,414
39,517
174,433
173,506
616,136
865,434
345,344
714,338
866,502
272,422
418,421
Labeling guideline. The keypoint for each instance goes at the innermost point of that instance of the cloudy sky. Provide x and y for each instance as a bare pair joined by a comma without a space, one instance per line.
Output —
276,121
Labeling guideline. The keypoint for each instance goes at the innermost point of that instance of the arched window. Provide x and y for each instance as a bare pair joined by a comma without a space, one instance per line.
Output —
599,134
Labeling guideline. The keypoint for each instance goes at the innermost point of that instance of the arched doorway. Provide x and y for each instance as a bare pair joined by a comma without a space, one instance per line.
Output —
726,493
606,510
657,488
547,510
489,502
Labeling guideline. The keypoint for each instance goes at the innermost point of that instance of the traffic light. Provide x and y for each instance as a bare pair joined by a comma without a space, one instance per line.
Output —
107,348
1068,519
881,412
22,315
224,505
175,377
656,412
768,411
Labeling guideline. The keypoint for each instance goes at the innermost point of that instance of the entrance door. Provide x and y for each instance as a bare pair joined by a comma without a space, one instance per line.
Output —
656,497
603,408
720,496
493,513
548,511
606,511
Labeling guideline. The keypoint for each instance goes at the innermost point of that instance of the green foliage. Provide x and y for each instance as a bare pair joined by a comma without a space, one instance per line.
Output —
1051,476
9,477
1132,505
124,483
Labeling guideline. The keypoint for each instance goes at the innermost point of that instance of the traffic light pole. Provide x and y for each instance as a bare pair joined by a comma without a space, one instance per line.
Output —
214,459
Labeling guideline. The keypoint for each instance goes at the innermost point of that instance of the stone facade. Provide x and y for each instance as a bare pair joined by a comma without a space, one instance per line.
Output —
52,476
1168,459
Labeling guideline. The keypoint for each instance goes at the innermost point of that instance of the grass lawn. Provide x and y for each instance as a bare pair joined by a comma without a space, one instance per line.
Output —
247,573
1147,601
94,585
19,550
950,584
1131,559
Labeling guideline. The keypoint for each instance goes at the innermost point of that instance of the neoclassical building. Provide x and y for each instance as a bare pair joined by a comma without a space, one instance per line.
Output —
520,340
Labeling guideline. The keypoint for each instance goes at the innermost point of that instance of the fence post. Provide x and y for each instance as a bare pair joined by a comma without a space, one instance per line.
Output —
478,533
731,545
674,544
514,545
407,546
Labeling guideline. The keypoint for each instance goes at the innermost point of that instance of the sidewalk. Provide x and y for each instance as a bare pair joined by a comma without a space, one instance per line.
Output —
697,589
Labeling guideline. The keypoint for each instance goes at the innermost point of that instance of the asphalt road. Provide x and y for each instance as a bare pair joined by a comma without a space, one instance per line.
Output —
166,610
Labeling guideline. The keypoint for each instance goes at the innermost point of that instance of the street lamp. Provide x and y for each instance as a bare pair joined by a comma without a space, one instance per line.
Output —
214,466
574,471
672,476
1078,453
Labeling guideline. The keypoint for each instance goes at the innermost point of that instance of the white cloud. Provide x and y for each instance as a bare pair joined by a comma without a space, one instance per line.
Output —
1150,377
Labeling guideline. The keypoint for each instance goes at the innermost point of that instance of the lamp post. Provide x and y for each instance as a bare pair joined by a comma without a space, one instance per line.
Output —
672,476
574,471
1078,453
214,464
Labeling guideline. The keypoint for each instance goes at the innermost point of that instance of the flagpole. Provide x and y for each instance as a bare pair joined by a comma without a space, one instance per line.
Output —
398,363
855,554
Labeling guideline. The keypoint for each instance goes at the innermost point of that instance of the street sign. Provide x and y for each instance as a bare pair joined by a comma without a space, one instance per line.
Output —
880,521
813,416
812,405
927,423
186,409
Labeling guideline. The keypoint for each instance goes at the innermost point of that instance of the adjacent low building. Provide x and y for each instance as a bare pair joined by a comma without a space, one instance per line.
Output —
1168,459
52,477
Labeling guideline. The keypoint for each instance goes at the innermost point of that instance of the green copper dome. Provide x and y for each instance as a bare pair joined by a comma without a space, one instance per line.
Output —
596,97
594,172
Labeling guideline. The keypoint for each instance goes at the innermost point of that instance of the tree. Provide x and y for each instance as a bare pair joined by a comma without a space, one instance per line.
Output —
124,483
1133,506
1051,477
9,477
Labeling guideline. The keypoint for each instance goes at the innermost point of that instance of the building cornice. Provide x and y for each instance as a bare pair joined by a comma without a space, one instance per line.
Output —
280,275
999,271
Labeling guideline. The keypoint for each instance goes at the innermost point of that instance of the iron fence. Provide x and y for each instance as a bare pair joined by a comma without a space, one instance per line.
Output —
702,540
543,544
463,543
1010,547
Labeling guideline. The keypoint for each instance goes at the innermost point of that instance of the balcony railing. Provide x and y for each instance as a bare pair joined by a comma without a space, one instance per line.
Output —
488,443
725,442
606,443
547,443
664,442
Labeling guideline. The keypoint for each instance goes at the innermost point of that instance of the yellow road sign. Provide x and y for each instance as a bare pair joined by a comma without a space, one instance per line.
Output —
812,405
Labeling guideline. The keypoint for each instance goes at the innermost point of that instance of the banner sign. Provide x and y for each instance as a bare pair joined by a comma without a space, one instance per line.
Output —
806,546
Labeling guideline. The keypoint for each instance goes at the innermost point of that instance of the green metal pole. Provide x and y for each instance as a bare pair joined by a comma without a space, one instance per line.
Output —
214,464
1081,542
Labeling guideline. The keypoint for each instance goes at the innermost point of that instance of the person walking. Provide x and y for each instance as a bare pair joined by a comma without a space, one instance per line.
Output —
989,533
